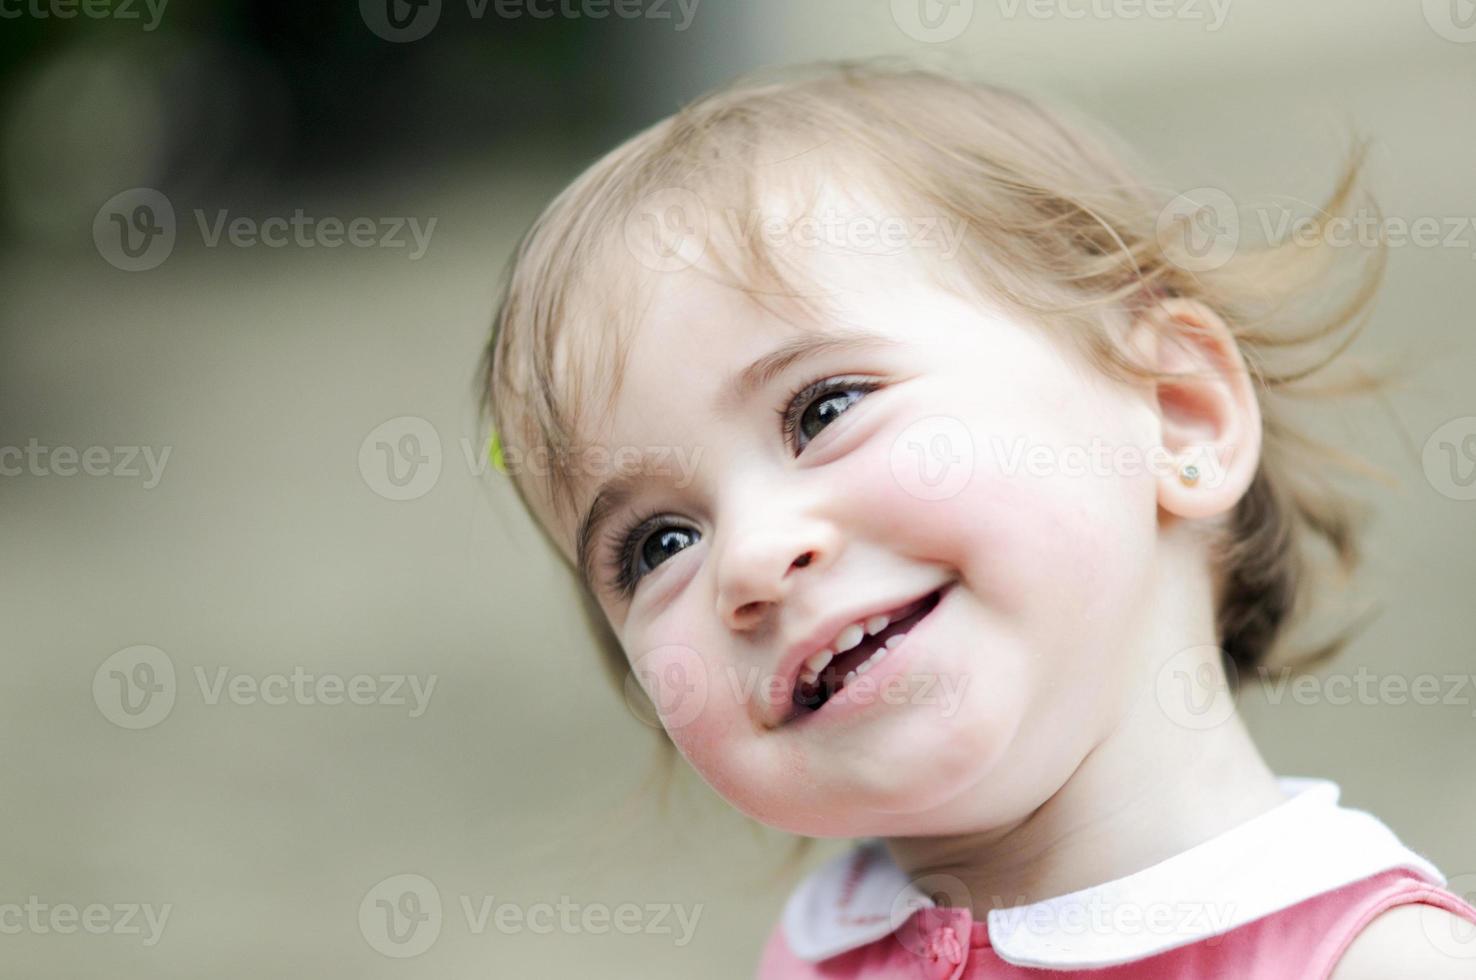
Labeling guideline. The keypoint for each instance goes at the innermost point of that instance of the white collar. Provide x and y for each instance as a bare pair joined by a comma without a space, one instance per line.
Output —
1296,850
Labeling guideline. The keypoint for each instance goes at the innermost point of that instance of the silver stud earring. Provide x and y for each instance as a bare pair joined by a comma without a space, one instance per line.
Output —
1189,474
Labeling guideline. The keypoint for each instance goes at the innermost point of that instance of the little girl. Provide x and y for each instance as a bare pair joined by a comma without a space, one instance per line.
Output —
923,469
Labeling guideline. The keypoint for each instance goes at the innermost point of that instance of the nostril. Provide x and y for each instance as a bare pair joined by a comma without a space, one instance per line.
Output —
750,609
802,560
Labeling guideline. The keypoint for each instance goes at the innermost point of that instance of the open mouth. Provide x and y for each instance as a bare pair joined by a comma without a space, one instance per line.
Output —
815,688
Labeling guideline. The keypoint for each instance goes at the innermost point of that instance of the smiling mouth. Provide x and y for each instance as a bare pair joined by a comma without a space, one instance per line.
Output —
810,696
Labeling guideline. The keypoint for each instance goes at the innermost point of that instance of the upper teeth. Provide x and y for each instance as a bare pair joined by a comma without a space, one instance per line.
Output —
817,663
848,639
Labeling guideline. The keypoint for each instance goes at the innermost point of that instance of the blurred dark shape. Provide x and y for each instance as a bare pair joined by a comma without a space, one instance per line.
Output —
234,99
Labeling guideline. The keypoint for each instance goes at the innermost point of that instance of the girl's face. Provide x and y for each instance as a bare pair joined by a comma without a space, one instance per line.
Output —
958,457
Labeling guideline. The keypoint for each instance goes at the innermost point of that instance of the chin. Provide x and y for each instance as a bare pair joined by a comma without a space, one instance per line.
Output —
903,789
918,786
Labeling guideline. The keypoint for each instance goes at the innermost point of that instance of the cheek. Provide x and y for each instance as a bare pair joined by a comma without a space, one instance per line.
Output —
1052,542
761,777
706,711
1069,548
1055,564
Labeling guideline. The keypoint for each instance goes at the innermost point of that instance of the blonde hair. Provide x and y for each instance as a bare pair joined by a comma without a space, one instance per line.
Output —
1057,229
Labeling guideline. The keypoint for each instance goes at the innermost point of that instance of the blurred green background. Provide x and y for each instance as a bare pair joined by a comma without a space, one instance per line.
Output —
270,540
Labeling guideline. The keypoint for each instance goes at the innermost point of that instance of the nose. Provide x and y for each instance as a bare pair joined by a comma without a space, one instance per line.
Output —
758,569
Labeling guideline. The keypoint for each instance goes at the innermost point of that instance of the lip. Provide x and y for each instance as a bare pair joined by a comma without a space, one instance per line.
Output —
819,639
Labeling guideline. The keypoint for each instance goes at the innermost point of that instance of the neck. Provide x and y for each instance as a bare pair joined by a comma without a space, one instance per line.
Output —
1149,788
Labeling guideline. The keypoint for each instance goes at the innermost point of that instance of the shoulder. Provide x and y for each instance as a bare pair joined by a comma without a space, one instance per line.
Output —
1403,942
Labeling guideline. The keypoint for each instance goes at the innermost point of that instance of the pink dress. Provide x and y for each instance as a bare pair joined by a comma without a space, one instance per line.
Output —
1281,896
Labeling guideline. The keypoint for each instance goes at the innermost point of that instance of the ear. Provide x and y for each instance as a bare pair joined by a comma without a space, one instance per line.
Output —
1208,414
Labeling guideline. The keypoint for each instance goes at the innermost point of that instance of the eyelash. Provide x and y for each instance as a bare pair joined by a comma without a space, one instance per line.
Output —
626,539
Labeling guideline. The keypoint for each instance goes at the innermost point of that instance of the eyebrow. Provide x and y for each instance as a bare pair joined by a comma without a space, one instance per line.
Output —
616,492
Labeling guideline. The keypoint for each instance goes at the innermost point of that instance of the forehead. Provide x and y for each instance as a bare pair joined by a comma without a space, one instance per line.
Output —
696,330
680,368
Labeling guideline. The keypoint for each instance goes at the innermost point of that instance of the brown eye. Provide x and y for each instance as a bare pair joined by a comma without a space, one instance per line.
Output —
645,545
664,543
822,411
820,404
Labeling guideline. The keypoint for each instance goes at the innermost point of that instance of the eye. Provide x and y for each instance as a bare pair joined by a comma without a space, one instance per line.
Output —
644,545
814,406
639,547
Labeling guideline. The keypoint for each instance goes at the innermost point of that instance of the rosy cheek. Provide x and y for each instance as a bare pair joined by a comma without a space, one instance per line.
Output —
714,743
